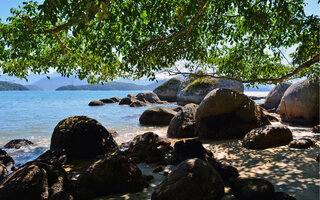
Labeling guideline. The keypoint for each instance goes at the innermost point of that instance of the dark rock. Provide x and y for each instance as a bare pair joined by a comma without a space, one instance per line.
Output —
274,97
157,116
148,177
300,103
35,180
267,136
54,157
157,170
271,117
82,137
282,196
17,143
226,114
316,129
131,95
183,123
5,159
150,97
302,143
178,108
252,189
116,99
107,100
3,172
256,98
138,104
110,175
318,158
169,89
113,133
96,103
193,179
126,101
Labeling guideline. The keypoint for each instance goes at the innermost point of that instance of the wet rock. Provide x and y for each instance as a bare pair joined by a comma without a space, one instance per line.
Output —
35,180
127,101
107,100
183,123
300,103
169,89
282,196
157,116
82,137
226,114
109,175
302,143
116,99
267,136
193,179
274,97
96,103
148,97
316,129
5,159
252,189
17,143
138,104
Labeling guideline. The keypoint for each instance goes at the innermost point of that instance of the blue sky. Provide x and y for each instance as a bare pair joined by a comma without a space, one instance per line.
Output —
312,7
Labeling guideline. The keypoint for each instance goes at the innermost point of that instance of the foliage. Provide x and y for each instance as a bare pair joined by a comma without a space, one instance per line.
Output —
103,39
11,86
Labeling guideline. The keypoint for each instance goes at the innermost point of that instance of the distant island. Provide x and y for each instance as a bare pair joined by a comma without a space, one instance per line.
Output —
112,86
4,85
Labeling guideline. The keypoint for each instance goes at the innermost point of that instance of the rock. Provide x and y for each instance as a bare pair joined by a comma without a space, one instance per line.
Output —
113,133
316,129
267,136
282,196
226,114
17,143
3,172
194,90
274,97
302,143
318,157
35,180
5,159
300,103
107,100
148,97
127,101
96,103
169,89
110,175
54,157
116,99
193,179
157,116
82,137
183,123
271,116
252,189
157,170
138,104
178,108
132,96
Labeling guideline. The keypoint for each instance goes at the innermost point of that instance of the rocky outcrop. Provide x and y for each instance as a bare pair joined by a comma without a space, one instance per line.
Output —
193,179
302,143
148,97
183,123
194,90
17,143
267,136
5,159
224,114
274,97
36,180
82,137
138,104
300,103
169,89
96,103
109,175
157,116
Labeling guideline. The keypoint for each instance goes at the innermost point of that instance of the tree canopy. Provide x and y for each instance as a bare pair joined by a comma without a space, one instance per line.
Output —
105,39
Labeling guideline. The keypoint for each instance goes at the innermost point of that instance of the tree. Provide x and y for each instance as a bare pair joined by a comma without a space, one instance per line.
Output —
103,39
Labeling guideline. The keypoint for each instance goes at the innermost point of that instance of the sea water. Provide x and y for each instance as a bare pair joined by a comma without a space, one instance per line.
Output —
33,115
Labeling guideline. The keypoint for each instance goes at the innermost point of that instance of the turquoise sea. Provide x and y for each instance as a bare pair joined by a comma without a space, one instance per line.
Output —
33,115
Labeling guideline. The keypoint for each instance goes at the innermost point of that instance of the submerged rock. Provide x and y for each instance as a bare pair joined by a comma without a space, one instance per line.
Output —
193,179
274,97
96,103
82,137
157,116
226,114
169,89
5,159
17,143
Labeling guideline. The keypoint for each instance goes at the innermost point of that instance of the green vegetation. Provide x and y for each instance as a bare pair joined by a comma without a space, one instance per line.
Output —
11,86
172,83
102,39
200,83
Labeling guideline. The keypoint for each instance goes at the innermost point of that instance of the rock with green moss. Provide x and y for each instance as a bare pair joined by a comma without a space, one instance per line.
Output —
194,90
169,89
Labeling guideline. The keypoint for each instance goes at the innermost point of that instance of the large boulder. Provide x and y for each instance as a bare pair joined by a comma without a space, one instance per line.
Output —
193,179
157,116
274,97
82,137
148,97
36,180
267,136
300,103
226,114
169,89
5,159
194,90
183,123
17,143
109,175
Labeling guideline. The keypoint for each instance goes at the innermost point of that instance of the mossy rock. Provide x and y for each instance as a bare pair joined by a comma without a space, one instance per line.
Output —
169,89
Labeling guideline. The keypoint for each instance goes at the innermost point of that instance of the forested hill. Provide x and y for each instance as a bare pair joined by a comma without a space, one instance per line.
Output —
4,85
112,86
